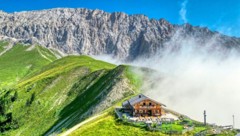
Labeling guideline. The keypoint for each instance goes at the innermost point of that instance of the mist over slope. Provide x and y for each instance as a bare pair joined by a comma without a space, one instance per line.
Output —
193,77
95,32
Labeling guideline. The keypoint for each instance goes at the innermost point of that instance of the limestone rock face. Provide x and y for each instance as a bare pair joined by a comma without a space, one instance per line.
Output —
95,32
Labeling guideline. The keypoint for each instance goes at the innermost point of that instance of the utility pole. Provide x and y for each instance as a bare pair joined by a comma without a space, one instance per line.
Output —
233,121
205,117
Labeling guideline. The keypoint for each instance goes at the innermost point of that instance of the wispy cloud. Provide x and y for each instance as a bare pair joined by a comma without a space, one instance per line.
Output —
183,11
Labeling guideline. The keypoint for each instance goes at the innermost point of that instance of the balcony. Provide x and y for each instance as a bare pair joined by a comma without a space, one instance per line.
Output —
148,106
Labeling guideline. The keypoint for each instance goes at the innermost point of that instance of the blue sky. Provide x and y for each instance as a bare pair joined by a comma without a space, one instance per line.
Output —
220,15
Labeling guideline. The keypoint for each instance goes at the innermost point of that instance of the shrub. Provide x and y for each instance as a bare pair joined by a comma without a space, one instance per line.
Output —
124,116
29,101
154,125
14,97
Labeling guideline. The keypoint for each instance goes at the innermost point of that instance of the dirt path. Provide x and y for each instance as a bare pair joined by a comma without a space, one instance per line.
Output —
44,56
69,131
9,46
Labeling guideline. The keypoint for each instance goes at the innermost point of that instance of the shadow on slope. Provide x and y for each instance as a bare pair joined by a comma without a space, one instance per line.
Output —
90,91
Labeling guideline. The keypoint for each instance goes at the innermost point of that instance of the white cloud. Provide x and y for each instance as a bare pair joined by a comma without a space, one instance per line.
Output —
183,11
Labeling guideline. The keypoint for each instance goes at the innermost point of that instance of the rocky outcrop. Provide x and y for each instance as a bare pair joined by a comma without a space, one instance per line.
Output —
95,32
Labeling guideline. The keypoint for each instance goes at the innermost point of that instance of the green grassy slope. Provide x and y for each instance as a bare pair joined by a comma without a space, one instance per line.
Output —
108,125
21,61
57,96
65,64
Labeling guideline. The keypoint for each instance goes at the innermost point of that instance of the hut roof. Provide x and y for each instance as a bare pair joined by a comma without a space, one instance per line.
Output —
138,99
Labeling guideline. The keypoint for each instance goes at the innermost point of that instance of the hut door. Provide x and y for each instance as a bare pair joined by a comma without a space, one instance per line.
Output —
149,112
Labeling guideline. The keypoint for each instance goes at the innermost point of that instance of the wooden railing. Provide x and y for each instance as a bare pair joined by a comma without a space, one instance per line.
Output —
148,106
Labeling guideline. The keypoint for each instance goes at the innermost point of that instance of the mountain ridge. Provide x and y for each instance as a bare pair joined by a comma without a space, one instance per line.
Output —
96,32
55,95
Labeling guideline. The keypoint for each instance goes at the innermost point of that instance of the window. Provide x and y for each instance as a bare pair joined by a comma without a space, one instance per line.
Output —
140,111
150,103
144,104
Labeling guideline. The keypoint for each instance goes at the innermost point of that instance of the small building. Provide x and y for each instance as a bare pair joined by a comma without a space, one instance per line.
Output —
141,105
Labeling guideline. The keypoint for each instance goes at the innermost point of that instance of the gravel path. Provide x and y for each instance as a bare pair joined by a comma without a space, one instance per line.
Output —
69,131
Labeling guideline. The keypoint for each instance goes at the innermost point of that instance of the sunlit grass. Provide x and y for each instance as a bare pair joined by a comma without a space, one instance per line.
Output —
109,125
66,64
18,62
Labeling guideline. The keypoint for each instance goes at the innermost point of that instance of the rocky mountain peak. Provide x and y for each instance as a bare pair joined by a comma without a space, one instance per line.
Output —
95,32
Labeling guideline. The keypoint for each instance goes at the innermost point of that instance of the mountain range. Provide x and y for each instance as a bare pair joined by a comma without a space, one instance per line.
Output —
95,32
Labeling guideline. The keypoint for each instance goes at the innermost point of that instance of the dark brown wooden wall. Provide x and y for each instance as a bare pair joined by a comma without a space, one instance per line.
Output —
147,108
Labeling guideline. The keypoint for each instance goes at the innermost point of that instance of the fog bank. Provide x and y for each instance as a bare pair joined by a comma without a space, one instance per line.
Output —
192,77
